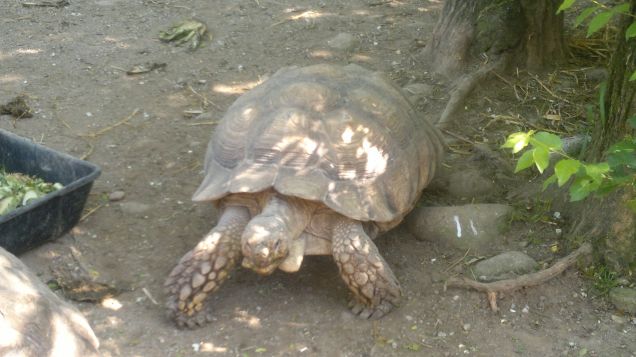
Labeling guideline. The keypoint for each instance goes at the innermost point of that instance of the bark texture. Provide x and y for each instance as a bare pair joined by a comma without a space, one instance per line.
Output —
619,97
473,31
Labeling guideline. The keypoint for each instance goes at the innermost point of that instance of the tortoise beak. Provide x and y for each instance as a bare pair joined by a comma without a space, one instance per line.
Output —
260,269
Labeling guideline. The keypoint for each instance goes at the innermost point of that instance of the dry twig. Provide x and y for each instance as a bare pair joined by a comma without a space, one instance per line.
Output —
110,127
523,281
203,98
90,212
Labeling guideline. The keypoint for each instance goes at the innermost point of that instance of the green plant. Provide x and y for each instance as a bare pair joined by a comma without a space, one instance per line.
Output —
603,278
602,15
18,190
618,171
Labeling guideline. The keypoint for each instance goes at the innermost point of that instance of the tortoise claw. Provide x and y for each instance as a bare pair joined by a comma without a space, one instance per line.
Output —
376,290
202,270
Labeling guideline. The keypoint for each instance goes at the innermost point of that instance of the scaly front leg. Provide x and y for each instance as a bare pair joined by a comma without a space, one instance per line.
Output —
375,289
203,269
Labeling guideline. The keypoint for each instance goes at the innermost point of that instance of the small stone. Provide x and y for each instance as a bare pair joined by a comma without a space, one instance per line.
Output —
504,266
418,89
441,334
116,196
343,41
134,207
466,327
597,74
619,319
624,299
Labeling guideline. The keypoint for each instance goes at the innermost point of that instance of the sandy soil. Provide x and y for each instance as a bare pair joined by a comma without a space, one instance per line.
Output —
70,62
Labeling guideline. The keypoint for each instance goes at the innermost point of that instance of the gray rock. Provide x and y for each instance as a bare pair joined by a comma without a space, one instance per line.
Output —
478,226
624,299
597,74
116,196
343,41
36,322
504,266
418,91
469,183
134,207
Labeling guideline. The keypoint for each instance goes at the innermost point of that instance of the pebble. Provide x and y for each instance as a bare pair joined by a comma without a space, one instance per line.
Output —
619,319
343,41
116,196
134,207
504,266
624,299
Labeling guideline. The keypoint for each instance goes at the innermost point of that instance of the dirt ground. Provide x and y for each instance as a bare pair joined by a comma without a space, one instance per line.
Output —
71,64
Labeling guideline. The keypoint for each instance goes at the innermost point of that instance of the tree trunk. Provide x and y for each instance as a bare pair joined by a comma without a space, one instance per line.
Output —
619,96
528,30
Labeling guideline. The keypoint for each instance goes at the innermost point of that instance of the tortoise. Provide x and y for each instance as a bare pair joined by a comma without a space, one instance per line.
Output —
314,161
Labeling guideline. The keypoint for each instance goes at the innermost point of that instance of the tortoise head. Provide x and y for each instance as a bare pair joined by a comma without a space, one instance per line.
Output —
265,244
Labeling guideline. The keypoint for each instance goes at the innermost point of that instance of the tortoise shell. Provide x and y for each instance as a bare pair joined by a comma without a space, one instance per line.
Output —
342,136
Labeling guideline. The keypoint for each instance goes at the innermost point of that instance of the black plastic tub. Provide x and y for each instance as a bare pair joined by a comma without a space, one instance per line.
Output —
54,214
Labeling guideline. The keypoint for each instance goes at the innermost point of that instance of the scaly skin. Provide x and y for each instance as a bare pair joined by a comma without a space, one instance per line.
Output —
269,236
203,269
376,290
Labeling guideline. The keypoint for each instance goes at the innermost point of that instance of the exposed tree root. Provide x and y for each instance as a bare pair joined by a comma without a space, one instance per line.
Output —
464,86
527,280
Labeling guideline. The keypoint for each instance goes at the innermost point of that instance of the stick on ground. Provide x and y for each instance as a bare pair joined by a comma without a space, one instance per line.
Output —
523,281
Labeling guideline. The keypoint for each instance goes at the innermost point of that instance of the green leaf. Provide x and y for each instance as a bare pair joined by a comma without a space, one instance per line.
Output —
632,205
526,160
598,22
552,179
622,153
566,4
584,15
580,189
564,169
631,31
621,8
633,76
596,171
607,187
547,140
541,158
517,141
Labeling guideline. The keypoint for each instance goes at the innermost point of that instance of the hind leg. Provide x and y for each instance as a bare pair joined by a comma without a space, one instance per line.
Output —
375,289
203,269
